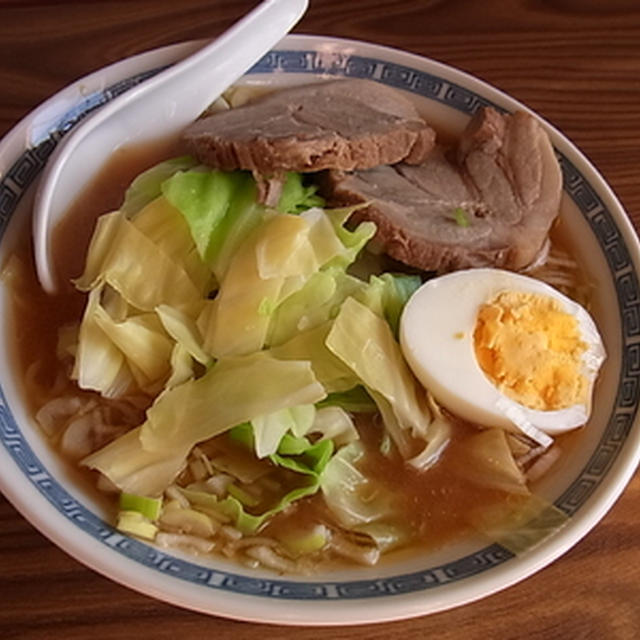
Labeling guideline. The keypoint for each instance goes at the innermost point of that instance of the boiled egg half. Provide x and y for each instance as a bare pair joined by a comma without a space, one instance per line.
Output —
501,349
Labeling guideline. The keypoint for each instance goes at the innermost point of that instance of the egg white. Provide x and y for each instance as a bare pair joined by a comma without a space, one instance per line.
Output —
436,335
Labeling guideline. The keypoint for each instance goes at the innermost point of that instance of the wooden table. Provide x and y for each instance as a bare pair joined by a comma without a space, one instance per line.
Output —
576,62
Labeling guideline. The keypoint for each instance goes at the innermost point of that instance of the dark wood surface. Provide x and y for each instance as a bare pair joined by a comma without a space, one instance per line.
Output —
576,62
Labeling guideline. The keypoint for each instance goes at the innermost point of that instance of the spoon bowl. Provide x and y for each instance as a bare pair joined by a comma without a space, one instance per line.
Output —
157,108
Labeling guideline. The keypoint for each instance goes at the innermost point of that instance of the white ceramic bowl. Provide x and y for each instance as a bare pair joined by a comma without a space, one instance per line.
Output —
38,484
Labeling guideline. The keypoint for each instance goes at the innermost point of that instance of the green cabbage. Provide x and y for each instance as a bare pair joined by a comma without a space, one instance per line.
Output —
334,423
143,342
357,504
440,432
237,320
353,240
115,357
295,454
147,186
212,203
365,343
182,367
268,430
284,431
231,277
387,294
316,302
304,417
99,364
310,345
146,460
268,268
233,391
166,227
297,197
124,257
184,331
347,491
133,469
485,458
222,210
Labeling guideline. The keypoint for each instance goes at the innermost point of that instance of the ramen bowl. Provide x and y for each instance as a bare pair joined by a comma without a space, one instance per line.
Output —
42,487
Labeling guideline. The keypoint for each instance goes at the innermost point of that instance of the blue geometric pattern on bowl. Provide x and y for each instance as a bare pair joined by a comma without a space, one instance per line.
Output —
27,167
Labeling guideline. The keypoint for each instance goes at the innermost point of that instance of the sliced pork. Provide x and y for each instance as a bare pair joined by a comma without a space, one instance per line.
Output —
343,124
489,202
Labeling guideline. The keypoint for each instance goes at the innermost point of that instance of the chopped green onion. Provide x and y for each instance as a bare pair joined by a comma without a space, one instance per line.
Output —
188,521
461,218
246,499
136,524
149,507
302,541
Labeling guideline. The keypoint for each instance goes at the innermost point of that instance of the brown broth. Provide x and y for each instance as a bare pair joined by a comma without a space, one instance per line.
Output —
103,194
435,503
37,315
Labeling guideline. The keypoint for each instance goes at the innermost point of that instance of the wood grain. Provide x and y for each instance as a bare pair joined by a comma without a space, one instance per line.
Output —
576,62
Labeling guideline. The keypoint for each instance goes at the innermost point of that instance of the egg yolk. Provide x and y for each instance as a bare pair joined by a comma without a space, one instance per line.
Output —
531,350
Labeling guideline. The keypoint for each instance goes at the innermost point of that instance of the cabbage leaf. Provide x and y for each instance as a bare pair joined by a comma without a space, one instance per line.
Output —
147,186
352,240
135,470
365,343
182,367
184,331
268,430
297,455
233,391
346,490
354,400
222,209
313,304
332,373
166,227
297,197
99,364
387,295
125,258
143,342
334,423
357,504
485,458
213,202
230,393
236,322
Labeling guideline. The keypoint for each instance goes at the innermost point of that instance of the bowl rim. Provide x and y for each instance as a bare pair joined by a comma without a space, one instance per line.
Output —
25,495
